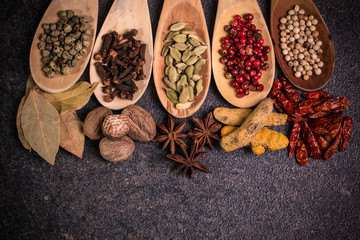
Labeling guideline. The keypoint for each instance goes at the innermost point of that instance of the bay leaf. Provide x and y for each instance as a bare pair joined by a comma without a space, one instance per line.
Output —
72,137
73,99
41,126
30,83
21,135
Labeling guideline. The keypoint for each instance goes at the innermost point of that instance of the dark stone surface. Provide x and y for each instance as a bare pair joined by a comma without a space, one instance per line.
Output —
246,196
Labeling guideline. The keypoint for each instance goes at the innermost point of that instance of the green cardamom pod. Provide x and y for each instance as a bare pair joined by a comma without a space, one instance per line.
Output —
196,77
180,46
184,95
183,105
186,54
180,38
186,31
168,60
165,49
170,36
191,82
194,42
196,37
181,83
198,87
189,71
175,54
191,93
192,60
173,75
181,66
172,95
199,64
199,50
177,26
169,84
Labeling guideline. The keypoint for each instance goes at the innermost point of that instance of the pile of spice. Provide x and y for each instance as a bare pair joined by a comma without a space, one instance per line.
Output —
244,54
204,132
121,60
182,52
300,44
318,121
63,43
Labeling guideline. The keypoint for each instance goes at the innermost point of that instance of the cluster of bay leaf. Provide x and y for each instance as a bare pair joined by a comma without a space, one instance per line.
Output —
46,121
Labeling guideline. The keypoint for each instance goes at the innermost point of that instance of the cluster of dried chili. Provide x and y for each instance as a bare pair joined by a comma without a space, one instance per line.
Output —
318,121
121,60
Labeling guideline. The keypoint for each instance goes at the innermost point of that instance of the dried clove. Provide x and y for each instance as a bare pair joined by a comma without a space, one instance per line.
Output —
120,62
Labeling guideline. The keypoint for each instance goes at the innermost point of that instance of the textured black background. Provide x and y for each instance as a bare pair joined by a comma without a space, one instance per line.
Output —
246,196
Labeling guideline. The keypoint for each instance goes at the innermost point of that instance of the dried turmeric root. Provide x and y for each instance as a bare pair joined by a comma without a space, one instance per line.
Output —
264,139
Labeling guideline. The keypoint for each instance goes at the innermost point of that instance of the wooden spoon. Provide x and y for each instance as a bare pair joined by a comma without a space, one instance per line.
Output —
279,9
60,83
189,11
123,16
226,11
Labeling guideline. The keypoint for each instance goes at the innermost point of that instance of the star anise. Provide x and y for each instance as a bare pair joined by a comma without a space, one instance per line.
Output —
171,135
205,129
186,163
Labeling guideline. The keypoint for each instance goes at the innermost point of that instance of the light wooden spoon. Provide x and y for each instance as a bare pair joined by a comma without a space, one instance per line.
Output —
279,9
189,11
226,11
60,83
123,16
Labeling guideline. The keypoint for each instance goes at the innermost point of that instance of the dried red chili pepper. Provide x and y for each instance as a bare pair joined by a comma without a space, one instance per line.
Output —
294,137
312,102
317,115
302,155
328,126
289,90
275,89
286,104
347,128
332,148
333,104
315,94
304,110
277,105
309,139
322,141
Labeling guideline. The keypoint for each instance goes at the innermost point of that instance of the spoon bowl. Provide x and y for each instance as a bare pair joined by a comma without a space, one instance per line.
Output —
189,11
279,9
60,83
123,16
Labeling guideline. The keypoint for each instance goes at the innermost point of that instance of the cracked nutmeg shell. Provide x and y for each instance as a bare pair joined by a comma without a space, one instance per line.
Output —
116,150
93,122
116,126
143,127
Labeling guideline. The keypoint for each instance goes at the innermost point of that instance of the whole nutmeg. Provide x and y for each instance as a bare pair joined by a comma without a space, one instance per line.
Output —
116,126
144,127
116,150
93,122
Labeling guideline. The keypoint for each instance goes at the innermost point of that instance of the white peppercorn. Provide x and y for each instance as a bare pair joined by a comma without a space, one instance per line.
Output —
291,12
294,17
320,64
317,71
296,8
296,30
312,28
314,21
309,73
319,43
308,23
296,63
283,20
301,55
314,56
296,24
301,11
287,58
316,47
282,33
315,34
297,74
282,27
311,17
285,52
300,68
297,36
290,64
315,66
306,77
282,39
283,45
290,27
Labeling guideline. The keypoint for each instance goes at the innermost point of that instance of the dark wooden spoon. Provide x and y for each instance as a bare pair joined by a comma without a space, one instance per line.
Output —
279,9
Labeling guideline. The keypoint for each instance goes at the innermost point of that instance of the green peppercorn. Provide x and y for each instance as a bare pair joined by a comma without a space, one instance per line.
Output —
78,46
56,43
47,31
52,64
62,21
76,27
54,39
77,34
57,69
78,56
74,62
55,33
50,74
67,47
62,14
65,70
45,60
83,51
67,28
82,28
72,52
41,45
70,13
87,32
55,58
56,49
86,43
59,26
48,47
52,26
48,39
42,37
84,36
65,54
45,26
73,38
83,20
46,69
68,40
45,53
